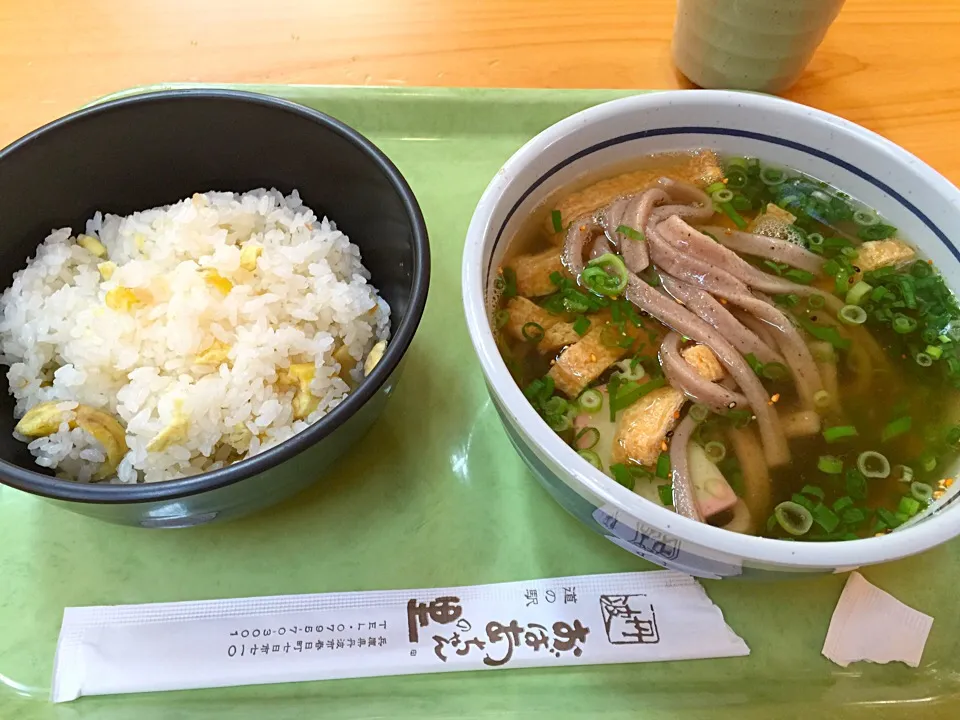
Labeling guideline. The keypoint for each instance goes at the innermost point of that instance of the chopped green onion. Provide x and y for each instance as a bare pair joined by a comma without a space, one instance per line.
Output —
722,196
839,432
888,518
841,504
852,315
623,475
630,392
923,360
895,428
663,466
737,219
799,276
864,218
841,281
953,437
772,176
815,302
501,318
830,464
666,495
591,400
827,334
775,371
851,515
555,405
790,300
591,457
822,399
856,484
793,518
815,239
754,363
935,351
928,461
736,179
813,490
509,287
880,231
740,418
699,413
558,423
714,187
803,501
825,517
606,275
903,324
715,450
581,325
556,220
532,332
873,464
630,371
904,473
858,292
741,203
908,506
775,267
921,491
587,438
629,232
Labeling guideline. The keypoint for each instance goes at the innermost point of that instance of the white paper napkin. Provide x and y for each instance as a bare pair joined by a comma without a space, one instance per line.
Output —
593,619
870,624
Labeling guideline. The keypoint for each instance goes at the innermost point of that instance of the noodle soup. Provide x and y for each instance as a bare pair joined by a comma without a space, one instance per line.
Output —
715,334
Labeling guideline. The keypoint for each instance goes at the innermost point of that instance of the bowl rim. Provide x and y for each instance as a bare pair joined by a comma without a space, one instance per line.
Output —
835,554
38,483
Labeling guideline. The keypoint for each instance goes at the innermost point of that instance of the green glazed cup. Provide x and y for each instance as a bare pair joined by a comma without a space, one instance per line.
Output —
761,45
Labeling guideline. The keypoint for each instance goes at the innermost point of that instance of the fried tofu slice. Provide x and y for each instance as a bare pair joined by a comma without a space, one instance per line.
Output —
534,271
584,361
557,333
704,362
775,211
875,254
774,222
523,311
700,168
557,337
642,428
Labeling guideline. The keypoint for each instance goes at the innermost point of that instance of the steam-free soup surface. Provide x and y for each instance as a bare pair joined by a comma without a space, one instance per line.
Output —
740,342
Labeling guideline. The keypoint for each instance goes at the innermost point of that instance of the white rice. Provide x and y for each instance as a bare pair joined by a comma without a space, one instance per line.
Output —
308,295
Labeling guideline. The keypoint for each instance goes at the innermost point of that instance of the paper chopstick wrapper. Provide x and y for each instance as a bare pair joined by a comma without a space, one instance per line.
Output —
870,624
627,617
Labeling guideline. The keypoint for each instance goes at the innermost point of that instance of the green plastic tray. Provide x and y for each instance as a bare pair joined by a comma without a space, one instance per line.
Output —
435,496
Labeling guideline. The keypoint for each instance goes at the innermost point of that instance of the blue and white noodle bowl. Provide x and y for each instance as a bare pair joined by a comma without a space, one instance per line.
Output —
913,196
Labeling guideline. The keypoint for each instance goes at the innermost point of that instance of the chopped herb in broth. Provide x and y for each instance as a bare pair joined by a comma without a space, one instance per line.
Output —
740,342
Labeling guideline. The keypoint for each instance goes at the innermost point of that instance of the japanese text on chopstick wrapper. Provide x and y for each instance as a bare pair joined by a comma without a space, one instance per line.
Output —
630,617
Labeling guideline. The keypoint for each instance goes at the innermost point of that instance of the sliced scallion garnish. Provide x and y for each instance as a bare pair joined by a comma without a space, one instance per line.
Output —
839,432
873,464
793,518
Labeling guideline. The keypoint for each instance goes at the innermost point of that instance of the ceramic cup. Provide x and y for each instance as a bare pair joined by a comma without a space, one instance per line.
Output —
923,204
761,45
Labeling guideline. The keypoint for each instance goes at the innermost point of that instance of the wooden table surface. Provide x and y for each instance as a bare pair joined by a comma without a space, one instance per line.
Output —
891,65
